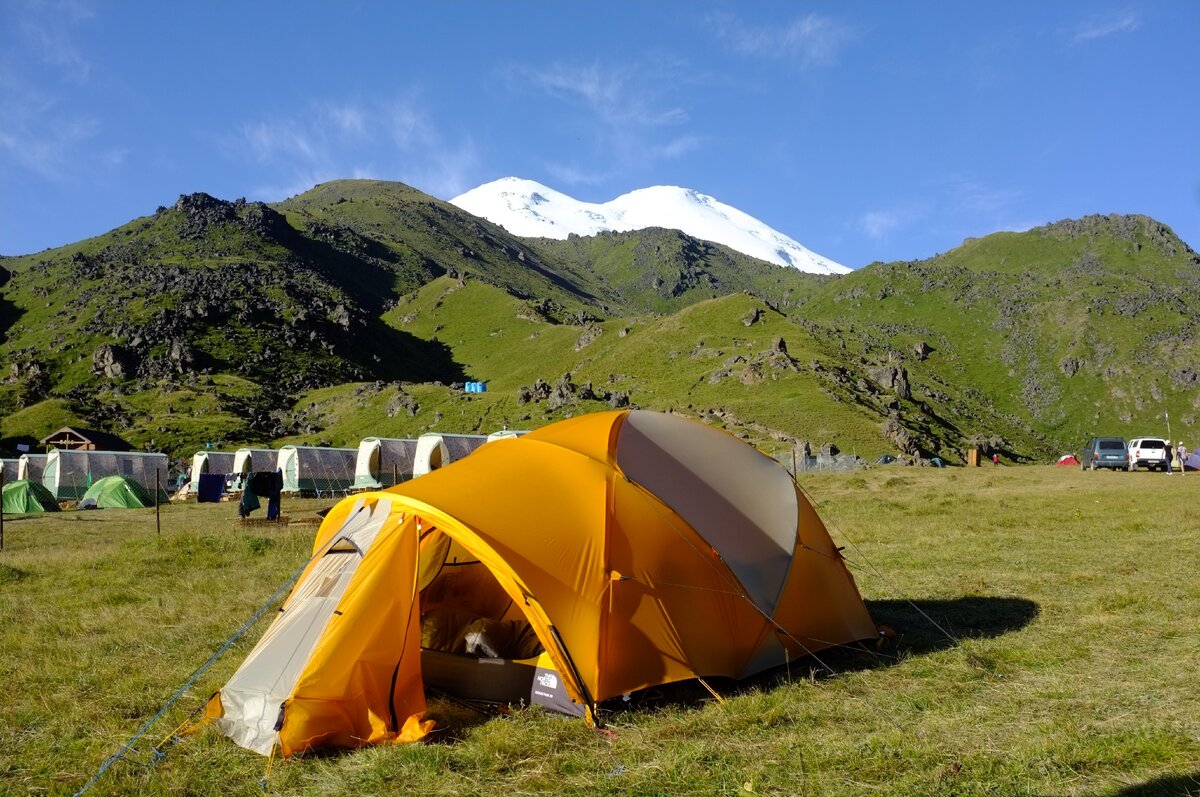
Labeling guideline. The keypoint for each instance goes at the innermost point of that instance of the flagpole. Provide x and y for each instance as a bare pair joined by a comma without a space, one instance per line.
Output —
1170,451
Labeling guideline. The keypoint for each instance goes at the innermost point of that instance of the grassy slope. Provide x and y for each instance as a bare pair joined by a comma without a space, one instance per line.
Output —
1006,313
1069,668
661,270
662,362
430,237
1039,339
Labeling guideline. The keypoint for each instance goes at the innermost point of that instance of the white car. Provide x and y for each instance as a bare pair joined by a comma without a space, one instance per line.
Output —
1148,452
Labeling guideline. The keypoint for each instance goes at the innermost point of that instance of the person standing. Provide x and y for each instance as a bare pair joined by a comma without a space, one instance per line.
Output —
1169,454
1181,451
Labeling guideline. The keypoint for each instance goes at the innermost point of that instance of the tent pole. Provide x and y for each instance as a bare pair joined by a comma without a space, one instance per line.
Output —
395,475
1,509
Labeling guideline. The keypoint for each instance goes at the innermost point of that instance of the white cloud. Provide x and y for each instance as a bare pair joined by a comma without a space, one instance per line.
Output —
37,135
813,40
39,131
574,175
974,195
382,139
623,95
952,207
877,224
52,42
1100,27
623,113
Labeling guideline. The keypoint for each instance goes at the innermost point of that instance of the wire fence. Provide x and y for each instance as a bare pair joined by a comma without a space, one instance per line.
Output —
798,463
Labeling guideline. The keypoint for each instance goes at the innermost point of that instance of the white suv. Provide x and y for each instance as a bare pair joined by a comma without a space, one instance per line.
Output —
1148,452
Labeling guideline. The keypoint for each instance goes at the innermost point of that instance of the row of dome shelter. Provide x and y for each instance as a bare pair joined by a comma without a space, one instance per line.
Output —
378,462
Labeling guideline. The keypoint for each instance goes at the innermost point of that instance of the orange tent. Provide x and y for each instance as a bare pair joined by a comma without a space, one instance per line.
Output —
620,551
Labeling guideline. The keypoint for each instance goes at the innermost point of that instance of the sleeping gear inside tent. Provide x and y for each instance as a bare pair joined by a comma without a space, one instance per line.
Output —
592,558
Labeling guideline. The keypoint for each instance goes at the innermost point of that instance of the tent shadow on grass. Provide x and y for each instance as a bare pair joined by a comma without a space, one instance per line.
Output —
970,617
961,618
1164,786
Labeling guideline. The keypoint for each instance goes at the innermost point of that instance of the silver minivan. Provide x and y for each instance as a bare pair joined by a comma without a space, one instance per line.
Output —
1104,452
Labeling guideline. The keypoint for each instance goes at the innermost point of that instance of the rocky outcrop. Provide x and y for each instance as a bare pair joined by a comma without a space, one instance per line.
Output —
113,362
892,378
589,335
565,392
900,437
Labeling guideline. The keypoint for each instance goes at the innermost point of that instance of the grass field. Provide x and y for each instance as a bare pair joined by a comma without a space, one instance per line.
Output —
1046,644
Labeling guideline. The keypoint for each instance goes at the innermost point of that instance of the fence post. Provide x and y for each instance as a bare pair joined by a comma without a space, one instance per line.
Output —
157,502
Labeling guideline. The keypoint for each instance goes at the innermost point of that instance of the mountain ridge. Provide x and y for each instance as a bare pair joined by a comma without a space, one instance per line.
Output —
361,304
531,210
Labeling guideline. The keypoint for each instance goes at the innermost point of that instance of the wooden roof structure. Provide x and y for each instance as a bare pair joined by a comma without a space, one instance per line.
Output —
70,438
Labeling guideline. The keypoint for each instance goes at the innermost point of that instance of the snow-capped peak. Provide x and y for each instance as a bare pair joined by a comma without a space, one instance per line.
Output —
530,209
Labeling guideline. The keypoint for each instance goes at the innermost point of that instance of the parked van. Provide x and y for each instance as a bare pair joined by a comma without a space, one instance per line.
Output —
1148,452
1104,452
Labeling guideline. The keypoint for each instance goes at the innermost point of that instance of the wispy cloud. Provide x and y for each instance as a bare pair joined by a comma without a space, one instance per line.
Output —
53,44
625,114
973,194
380,139
880,224
1100,27
621,95
955,205
814,40
39,131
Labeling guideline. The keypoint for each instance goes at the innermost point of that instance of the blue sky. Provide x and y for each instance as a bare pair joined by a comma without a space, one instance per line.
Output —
865,130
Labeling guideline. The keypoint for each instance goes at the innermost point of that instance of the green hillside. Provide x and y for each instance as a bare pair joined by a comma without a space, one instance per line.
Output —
1076,328
360,307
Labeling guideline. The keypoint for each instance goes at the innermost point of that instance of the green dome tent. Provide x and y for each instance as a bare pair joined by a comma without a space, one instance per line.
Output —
116,492
25,496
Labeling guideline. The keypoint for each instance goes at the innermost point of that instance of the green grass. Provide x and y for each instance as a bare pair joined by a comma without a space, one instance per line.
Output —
1067,664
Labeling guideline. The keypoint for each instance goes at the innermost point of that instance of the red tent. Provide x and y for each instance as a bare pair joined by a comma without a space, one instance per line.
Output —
1067,459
